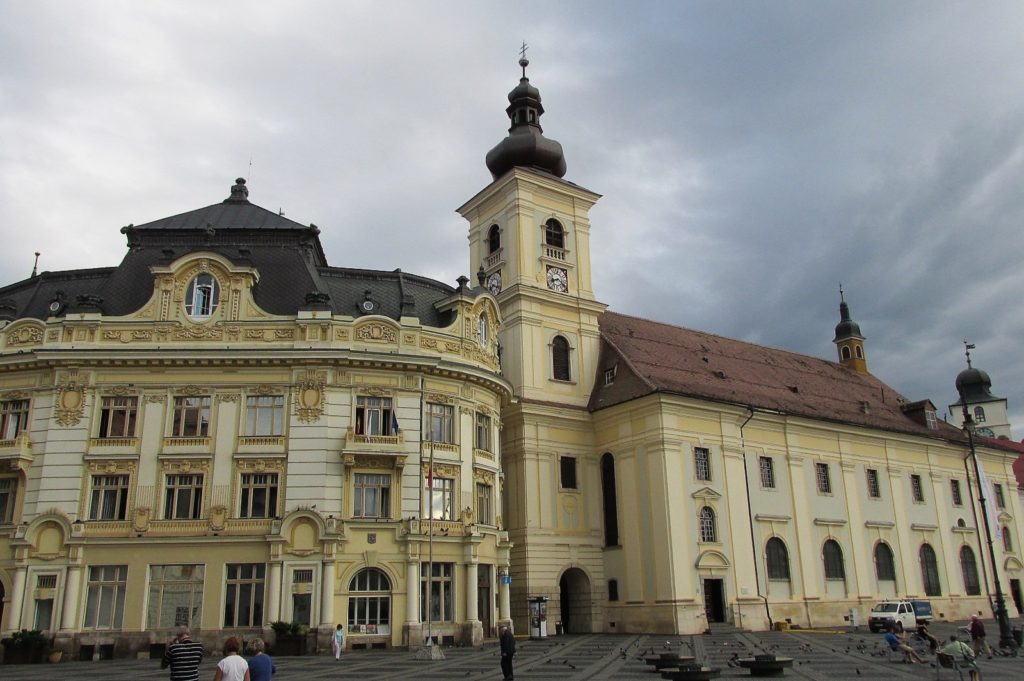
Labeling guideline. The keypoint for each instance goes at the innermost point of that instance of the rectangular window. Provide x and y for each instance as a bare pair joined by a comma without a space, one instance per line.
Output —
175,596
13,418
258,495
613,589
1000,499
243,599
767,472
375,417
264,415
484,504
609,375
439,423
823,478
954,488
8,495
184,497
874,490
104,604
372,496
702,463
483,432
442,499
567,464
191,417
916,489
442,592
118,416
109,497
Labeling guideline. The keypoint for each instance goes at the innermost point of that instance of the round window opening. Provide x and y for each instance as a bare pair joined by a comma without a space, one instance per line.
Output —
202,297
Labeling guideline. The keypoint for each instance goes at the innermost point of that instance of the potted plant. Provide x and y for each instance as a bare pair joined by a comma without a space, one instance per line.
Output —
289,638
25,647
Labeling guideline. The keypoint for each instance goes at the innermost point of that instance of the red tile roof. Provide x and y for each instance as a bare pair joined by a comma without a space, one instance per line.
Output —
697,364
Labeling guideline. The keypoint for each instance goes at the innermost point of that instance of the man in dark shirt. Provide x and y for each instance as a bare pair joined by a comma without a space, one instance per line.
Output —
508,649
183,656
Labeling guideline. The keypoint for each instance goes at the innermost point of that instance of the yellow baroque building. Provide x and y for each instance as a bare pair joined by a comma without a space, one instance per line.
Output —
226,431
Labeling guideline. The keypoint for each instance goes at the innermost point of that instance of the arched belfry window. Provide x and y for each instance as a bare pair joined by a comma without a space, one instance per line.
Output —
860,352
708,529
554,235
611,510
979,415
493,239
846,352
777,559
560,359
885,566
929,571
832,556
970,569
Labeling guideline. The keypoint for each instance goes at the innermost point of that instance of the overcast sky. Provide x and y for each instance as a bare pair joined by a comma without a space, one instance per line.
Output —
751,155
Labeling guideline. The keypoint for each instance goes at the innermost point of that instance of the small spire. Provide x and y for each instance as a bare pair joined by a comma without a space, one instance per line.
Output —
523,61
35,265
967,351
842,299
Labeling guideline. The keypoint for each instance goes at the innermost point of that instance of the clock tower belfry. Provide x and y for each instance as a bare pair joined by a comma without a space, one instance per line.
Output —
529,239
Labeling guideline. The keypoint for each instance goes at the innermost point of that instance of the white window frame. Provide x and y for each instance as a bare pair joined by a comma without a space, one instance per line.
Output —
264,415
114,406
101,588
249,483
482,439
702,464
175,484
185,406
371,490
13,418
823,477
102,486
440,423
257,594
767,468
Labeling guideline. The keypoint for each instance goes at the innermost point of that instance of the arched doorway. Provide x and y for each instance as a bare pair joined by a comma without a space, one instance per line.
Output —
574,599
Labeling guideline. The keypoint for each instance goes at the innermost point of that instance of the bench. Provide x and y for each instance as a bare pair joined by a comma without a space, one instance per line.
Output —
690,673
667,660
947,661
765,665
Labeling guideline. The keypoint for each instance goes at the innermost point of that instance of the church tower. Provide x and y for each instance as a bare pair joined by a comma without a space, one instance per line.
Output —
849,341
988,412
529,240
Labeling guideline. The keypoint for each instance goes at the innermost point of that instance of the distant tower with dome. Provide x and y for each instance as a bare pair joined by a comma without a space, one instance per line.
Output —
988,411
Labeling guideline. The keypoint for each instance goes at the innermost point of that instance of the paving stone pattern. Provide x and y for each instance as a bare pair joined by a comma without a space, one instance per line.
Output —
820,656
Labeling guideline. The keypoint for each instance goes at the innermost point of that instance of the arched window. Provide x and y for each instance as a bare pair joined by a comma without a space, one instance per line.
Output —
611,510
482,329
970,571
979,415
560,358
777,559
846,352
885,567
930,571
708,532
860,352
1007,539
493,239
202,296
832,555
369,602
554,235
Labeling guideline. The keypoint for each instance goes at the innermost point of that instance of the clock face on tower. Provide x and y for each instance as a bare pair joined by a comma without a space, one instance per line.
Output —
494,283
558,280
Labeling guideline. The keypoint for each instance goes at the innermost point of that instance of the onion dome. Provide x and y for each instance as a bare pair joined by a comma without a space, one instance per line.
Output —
525,145
974,385
846,328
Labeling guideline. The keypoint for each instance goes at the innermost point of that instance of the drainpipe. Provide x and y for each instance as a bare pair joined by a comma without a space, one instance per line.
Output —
750,519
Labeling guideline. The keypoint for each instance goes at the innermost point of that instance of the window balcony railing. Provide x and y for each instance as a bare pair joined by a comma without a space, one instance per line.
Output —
113,441
494,259
440,446
261,441
439,528
554,252
186,442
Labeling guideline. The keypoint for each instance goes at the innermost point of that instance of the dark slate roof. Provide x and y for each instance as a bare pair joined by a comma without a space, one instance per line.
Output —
654,357
287,255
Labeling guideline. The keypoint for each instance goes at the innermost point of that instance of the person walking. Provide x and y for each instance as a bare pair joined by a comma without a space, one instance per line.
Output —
183,656
261,666
508,649
978,641
338,642
963,655
232,667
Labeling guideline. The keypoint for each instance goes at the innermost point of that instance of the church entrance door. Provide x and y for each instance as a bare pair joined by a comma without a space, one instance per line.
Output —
574,601
714,600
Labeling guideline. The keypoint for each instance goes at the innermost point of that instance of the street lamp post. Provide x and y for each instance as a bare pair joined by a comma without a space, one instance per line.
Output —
1006,639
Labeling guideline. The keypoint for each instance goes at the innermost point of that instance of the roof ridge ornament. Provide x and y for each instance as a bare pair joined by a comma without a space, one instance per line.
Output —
239,192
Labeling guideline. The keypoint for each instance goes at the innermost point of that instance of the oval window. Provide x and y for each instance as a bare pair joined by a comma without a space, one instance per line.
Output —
202,296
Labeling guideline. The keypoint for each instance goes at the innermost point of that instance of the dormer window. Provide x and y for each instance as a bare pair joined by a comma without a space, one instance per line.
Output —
930,420
554,235
609,374
202,297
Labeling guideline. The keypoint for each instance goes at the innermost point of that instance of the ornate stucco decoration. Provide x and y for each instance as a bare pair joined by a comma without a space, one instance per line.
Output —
156,398
373,391
117,391
111,466
442,470
309,396
191,391
483,476
140,522
439,398
218,517
375,332
70,400
14,395
228,397
27,334
260,465
186,466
